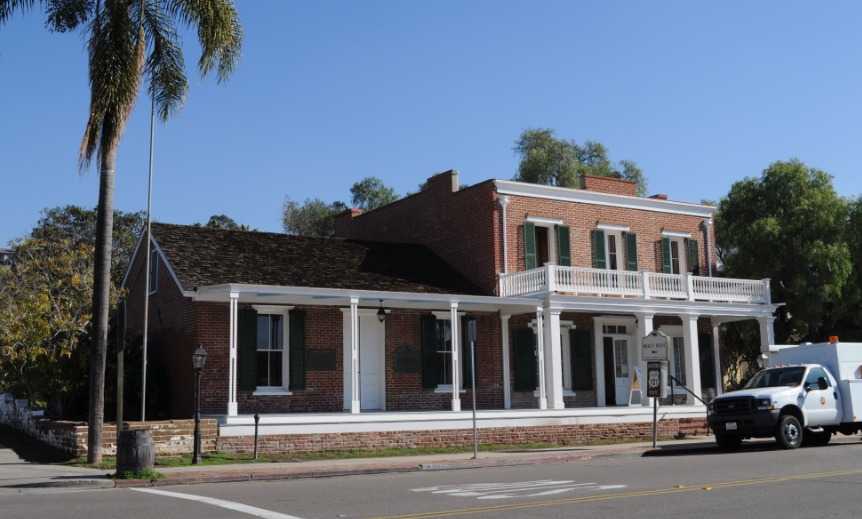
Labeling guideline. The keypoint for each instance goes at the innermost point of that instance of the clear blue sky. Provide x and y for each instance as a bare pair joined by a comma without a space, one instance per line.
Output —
698,94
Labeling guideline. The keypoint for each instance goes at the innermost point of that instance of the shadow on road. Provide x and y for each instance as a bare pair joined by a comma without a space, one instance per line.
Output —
29,449
709,448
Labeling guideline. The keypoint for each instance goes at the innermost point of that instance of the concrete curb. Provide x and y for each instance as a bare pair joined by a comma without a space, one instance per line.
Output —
230,476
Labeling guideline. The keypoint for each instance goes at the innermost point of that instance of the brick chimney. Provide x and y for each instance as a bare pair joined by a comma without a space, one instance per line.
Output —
659,196
445,182
612,185
343,221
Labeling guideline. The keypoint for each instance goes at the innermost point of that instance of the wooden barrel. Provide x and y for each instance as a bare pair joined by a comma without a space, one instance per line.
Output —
135,451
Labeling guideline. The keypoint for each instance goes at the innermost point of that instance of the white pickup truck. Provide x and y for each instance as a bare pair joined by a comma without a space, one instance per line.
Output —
806,394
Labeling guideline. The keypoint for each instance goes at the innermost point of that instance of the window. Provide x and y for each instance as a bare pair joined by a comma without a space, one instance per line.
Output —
777,377
679,359
154,271
444,349
615,329
621,358
613,262
270,350
814,375
543,246
674,257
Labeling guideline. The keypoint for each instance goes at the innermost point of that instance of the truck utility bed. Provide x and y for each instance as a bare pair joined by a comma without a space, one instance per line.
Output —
844,362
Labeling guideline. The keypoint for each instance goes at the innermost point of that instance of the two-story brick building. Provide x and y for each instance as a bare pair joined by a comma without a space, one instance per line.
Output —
362,340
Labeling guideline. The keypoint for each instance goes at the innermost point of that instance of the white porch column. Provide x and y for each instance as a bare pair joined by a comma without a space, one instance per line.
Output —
354,355
645,326
692,355
455,327
553,359
540,357
716,336
233,340
767,332
507,370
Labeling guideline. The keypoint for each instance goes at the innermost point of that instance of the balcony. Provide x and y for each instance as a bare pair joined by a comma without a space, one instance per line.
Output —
645,285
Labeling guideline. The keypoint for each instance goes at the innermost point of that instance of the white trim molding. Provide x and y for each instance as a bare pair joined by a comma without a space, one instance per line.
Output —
540,220
564,194
613,227
675,234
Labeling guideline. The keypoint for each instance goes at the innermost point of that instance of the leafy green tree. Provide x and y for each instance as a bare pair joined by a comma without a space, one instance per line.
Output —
546,159
128,40
78,225
789,225
314,217
371,193
45,314
225,222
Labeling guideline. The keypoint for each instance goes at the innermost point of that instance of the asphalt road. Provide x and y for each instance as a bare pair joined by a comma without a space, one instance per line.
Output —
758,481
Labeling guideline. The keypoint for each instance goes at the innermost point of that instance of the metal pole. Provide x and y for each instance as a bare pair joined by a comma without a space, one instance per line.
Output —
654,420
196,454
473,378
256,422
147,262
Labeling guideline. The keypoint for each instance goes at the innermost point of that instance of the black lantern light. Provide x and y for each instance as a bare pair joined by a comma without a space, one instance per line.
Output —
199,360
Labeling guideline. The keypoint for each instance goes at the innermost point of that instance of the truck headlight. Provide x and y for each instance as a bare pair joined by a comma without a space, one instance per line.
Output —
763,404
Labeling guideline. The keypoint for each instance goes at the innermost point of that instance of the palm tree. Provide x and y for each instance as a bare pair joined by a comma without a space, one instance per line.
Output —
128,41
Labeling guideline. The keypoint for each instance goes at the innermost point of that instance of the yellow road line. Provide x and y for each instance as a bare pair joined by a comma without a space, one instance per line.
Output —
624,495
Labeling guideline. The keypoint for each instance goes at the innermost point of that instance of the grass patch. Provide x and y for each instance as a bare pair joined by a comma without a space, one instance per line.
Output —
148,474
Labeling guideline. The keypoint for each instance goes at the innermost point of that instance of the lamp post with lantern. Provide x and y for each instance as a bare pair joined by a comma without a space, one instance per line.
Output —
199,360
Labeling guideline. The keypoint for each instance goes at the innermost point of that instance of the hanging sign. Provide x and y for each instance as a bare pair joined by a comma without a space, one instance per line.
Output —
655,347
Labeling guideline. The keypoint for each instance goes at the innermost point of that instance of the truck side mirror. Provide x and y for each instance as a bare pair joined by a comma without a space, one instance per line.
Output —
822,384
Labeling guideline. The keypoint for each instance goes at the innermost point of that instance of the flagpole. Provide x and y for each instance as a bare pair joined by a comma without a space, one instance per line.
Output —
147,263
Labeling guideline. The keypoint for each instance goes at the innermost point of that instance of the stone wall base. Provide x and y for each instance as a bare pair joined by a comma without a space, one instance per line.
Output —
554,434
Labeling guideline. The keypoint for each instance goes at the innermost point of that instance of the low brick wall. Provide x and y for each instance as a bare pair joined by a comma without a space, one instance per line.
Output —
556,434
172,437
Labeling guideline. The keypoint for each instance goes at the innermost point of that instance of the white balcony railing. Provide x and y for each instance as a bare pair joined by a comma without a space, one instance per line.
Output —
622,283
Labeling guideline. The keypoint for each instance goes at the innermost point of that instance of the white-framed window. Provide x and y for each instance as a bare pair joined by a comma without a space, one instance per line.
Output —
272,350
614,251
678,252
546,243
154,271
443,333
615,329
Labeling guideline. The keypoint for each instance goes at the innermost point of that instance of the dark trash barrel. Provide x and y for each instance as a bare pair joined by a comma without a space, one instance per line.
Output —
135,451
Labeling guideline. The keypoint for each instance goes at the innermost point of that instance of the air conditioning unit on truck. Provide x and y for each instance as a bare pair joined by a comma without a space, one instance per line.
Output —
806,394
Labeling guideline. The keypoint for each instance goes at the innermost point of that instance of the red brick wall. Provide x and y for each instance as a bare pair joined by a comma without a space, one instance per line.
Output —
553,434
583,218
458,226
616,186
171,340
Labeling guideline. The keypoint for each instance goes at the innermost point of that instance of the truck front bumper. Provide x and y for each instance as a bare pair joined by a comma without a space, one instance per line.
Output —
760,424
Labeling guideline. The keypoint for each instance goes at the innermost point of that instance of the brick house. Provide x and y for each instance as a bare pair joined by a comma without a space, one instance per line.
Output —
363,340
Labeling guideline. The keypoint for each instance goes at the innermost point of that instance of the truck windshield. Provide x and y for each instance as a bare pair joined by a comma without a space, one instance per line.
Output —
777,377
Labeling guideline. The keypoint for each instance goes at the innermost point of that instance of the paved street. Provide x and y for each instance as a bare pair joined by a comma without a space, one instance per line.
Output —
757,481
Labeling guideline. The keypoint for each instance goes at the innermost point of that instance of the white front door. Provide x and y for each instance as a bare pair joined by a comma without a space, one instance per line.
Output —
372,371
621,370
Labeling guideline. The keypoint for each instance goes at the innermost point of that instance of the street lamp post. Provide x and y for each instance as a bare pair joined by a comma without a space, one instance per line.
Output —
199,360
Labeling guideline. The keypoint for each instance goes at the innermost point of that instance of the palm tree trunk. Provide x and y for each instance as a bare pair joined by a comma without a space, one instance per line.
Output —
101,303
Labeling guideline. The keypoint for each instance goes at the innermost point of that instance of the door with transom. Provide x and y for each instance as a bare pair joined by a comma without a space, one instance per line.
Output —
372,370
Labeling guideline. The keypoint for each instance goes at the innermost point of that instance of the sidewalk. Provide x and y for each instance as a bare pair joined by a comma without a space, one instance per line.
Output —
19,474
356,466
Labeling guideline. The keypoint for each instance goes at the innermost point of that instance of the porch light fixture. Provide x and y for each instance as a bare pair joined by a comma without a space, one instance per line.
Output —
381,313
199,360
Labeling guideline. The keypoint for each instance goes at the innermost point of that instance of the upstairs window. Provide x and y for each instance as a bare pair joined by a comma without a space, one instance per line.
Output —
546,242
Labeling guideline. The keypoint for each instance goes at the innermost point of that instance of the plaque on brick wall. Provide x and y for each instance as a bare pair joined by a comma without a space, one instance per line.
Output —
407,359
320,360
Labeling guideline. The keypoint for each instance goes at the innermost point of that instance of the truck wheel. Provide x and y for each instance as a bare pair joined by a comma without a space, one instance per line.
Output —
728,441
789,432
817,439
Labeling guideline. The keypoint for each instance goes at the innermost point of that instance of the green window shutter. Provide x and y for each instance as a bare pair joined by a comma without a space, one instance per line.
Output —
631,241
466,372
598,238
430,357
582,359
693,256
526,365
665,256
564,248
247,349
296,350
530,245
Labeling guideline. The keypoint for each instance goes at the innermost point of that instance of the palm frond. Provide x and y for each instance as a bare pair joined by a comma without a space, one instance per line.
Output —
68,15
8,7
165,65
219,32
116,48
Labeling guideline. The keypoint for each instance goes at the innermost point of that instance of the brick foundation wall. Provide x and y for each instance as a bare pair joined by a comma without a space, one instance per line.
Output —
556,434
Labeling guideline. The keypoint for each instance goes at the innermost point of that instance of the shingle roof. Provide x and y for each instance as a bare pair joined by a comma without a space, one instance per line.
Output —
201,256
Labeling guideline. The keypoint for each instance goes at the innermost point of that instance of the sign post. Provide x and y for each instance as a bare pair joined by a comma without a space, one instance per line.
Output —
654,352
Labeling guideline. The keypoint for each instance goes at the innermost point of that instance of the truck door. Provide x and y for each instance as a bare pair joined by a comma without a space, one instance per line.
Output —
821,405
